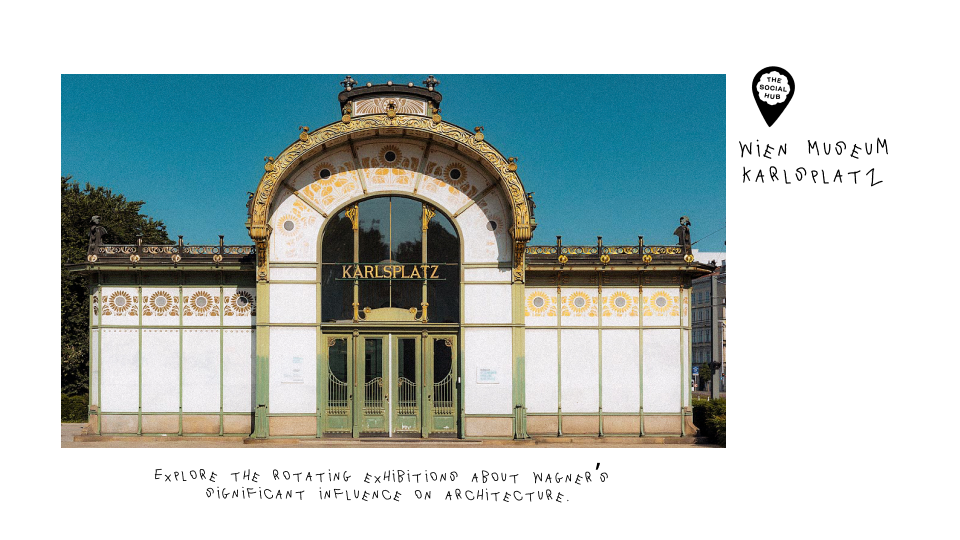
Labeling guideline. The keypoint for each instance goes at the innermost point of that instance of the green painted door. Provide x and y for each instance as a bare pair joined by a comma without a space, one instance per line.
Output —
440,385
337,385
407,392
370,385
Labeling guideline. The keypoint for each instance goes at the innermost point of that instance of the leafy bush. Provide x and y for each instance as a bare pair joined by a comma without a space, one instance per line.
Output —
73,408
711,417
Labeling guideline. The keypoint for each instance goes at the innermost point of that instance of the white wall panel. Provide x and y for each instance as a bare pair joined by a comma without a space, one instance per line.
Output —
94,367
201,306
293,369
296,228
685,372
239,351
621,306
486,231
381,175
161,306
121,306
293,274
483,304
579,371
121,363
661,306
578,306
201,370
447,192
541,370
540,306
293,303
160,368
490,349
661,370
621,371
685,307
239,306
328,193
499,275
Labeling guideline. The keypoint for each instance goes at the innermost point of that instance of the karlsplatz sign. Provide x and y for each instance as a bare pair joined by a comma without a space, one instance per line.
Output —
391,271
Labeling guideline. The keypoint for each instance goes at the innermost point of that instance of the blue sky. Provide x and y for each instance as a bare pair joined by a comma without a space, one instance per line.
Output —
616,156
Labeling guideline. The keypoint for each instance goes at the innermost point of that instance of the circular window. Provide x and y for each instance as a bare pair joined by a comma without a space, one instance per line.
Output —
242,301
579,302
455,174
661,301
120,301
492,226
288,225
390,156
201,301
324,174
160,301
538,302
620,301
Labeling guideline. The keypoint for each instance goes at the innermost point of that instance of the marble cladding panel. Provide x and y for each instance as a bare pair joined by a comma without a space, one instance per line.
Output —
296,228
121,306
239,306
329,180
451,181
661,370
239,353
579,371
540,306
488,370
201,306
578,306
661,306
120,364
380,173
201,370
542,369
293,370
621,371
487,303
621,306
160,370
485,227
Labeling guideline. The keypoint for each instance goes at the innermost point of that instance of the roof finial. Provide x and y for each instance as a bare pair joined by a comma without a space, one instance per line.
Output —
431,82
348,83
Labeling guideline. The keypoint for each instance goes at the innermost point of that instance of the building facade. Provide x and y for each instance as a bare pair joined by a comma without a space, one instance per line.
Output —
391,290
709,330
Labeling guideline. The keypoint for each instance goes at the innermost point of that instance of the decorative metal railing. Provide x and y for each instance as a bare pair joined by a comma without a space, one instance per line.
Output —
373,397
172,254
337,403
638,253
406,397
443,396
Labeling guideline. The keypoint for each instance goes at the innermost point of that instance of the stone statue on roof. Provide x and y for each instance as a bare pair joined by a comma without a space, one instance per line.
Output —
683,234
96,235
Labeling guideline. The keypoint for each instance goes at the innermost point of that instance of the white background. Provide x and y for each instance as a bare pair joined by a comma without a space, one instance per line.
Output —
840,422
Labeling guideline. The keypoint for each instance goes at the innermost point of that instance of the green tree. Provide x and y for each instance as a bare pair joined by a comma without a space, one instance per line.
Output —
123,221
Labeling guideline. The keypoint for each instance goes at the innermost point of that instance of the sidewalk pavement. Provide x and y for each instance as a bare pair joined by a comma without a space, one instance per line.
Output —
70,437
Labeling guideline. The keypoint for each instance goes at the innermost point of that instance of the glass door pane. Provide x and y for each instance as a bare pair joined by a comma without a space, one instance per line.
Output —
442,383
336,390
406,393
372,416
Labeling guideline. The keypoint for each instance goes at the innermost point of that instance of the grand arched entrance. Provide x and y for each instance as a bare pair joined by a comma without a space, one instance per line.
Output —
389,270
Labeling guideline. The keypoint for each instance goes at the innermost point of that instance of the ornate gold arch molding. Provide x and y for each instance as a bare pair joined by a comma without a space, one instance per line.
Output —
311,144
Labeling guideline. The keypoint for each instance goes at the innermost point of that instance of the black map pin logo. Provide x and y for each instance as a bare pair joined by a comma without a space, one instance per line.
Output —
773,88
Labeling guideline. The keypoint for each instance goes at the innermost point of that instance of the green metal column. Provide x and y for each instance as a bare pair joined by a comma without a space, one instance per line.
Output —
261,426
519,348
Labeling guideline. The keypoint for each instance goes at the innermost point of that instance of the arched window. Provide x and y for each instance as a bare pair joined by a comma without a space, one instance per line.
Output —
389,260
